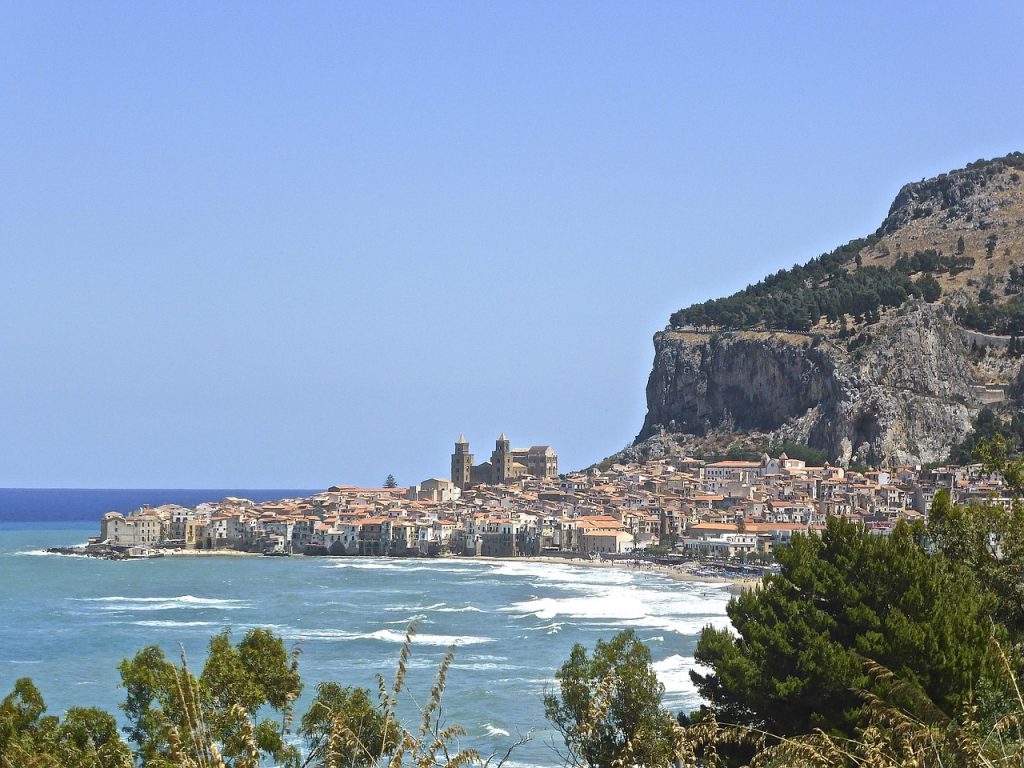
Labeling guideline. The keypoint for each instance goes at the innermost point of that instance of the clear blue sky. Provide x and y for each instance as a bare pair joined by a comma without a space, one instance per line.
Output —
289,245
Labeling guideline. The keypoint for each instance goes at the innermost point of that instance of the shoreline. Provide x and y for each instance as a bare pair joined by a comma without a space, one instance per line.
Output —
735,584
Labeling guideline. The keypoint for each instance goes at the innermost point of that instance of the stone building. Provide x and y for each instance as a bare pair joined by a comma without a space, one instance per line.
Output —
507,464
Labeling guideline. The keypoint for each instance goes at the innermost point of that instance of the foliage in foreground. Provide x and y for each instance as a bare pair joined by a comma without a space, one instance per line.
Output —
869,652
179,720
797,660
608,708
86,738
609,705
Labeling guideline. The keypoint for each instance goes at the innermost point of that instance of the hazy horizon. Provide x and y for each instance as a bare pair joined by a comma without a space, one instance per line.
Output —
257,246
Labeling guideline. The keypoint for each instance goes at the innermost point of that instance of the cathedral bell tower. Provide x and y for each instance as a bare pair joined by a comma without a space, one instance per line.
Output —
501,460
462,463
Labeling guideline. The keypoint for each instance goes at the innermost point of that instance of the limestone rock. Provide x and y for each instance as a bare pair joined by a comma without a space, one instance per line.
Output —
907,394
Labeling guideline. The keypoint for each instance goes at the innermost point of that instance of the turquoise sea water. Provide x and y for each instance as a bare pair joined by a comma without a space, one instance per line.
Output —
68,621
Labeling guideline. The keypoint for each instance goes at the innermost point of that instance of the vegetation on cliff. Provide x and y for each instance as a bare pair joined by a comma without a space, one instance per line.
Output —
796,299
987,426
844,282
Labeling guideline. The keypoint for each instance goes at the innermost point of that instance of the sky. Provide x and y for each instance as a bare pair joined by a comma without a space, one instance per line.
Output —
293,245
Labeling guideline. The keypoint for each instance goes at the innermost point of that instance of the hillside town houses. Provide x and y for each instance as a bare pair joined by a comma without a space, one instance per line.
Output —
723,509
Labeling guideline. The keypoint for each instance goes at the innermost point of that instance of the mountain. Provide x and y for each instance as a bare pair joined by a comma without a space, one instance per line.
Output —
885,349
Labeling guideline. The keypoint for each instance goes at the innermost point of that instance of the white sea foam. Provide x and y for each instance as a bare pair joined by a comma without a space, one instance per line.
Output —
549,629
465,609
493,730
39,553
175,624
681,626
182,598
384,635
416,608
121,603
43,552
571,576
405,566
681,613
538,685
594,607
674,674
391,636
366,565
478,666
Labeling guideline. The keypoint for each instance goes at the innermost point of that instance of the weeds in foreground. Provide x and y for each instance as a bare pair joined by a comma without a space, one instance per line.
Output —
912,734
352,732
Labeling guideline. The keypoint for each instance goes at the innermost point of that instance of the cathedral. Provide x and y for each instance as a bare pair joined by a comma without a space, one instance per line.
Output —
506,464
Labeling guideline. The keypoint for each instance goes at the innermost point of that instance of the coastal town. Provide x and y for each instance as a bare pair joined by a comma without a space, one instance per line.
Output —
517,505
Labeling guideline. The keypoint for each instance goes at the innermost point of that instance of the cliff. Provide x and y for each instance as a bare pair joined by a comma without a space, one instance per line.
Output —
900,380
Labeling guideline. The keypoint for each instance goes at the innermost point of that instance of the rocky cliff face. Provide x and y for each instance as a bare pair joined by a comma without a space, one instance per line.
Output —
906,393
900,384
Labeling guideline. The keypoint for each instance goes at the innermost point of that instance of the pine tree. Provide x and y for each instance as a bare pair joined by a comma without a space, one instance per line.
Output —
801,641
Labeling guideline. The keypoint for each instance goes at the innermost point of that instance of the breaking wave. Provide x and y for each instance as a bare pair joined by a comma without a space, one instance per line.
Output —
121,603
493,730
674,674
383,635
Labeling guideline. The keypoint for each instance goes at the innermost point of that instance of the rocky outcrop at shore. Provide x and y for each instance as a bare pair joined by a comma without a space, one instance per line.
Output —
99,551
107,552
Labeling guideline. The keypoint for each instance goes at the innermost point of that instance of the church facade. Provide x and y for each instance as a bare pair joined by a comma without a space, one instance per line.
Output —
507,464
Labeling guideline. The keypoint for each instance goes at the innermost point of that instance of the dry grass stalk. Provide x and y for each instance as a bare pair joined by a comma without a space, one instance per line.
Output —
431,745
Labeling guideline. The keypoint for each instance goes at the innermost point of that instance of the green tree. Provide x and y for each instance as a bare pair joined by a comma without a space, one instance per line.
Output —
23,729
841,598
237,682
989,538
990,244
151,701
609,705
390,482
929,288
87,738
347,719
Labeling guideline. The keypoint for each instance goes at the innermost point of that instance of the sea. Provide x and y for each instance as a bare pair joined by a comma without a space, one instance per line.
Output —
66,621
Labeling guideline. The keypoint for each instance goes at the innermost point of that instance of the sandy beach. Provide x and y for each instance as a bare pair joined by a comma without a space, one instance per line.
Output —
209,553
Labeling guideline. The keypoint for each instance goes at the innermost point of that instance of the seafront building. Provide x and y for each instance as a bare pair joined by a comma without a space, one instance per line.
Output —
727,509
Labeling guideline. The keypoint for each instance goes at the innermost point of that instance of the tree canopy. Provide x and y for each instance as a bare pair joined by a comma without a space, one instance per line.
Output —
609,705
236,683
86,738
829,287
804,639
